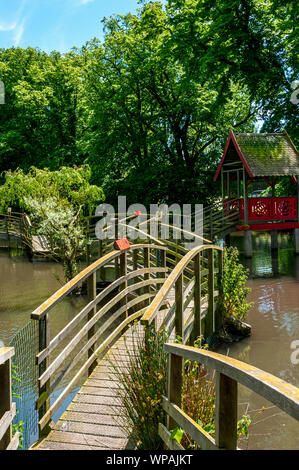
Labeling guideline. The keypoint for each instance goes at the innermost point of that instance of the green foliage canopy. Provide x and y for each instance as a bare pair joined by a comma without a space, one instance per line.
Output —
70,186
150,108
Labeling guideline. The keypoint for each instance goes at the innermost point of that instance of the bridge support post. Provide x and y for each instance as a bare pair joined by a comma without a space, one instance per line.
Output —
5,397
226,412
44,391
296,237
248,243
197,300
210,317
179,309
163,262
274,240
123,272
146,262
218,312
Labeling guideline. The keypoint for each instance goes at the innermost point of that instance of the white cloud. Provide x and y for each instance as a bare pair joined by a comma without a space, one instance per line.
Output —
7,27
16,27
83,2
19,30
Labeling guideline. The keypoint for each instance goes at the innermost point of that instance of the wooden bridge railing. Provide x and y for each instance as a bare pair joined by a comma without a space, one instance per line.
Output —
199,286
7,407
217,219
131,292
229,372
16,226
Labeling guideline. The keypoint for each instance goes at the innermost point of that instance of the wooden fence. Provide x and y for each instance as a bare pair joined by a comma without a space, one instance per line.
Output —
7,407
193,279
229,372
131,291
15,228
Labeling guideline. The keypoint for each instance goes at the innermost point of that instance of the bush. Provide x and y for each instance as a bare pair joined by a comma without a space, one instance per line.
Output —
143,385
234,286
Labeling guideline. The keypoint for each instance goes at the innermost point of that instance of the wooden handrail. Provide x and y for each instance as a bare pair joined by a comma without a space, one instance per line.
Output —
153,309
97,322
107,342
41,311
229,372
7,407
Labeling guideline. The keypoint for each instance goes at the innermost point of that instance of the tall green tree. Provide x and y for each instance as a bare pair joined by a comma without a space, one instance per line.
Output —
154,124
43,119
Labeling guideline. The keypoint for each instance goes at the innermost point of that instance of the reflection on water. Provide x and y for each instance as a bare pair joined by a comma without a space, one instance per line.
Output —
274,318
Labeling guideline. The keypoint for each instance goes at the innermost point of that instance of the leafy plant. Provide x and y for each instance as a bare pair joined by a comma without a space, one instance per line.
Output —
234,287
70,186
143,385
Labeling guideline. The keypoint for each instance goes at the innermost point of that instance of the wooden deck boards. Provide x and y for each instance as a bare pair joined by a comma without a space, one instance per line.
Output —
92,420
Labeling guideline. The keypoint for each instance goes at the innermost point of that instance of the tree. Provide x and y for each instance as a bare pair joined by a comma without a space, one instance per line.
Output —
65,235
56,202
249,41
152,120
43,118
69,185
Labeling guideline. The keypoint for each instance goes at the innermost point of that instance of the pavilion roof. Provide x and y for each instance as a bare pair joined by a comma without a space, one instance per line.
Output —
262,154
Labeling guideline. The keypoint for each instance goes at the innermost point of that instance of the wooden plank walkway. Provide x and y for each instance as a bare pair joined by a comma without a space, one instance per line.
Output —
92,420
40,244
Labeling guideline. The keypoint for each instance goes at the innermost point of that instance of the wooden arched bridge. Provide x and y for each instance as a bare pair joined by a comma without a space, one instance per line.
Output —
151,289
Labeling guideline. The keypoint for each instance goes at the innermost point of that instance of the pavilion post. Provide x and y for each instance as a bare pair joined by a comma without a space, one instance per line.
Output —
222,187
296,230
247,233
245,197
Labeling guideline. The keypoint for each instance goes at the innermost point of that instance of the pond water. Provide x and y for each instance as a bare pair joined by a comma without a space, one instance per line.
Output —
274,318
25,285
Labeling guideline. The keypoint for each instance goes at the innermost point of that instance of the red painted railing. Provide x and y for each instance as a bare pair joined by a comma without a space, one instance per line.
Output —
264,208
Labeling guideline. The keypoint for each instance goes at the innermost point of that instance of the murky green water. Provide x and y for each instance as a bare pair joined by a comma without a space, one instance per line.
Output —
25,285
274,318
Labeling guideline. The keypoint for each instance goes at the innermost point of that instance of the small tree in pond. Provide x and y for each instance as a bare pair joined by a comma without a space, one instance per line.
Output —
62,229
70,186
56,202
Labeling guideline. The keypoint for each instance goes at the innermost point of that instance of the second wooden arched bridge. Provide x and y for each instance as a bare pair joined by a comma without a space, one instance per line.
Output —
185,301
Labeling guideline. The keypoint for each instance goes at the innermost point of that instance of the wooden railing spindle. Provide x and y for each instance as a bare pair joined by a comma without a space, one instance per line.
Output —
226,412
179,309
92,293
175,383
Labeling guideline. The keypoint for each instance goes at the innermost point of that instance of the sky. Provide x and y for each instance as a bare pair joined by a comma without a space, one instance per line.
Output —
56,24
